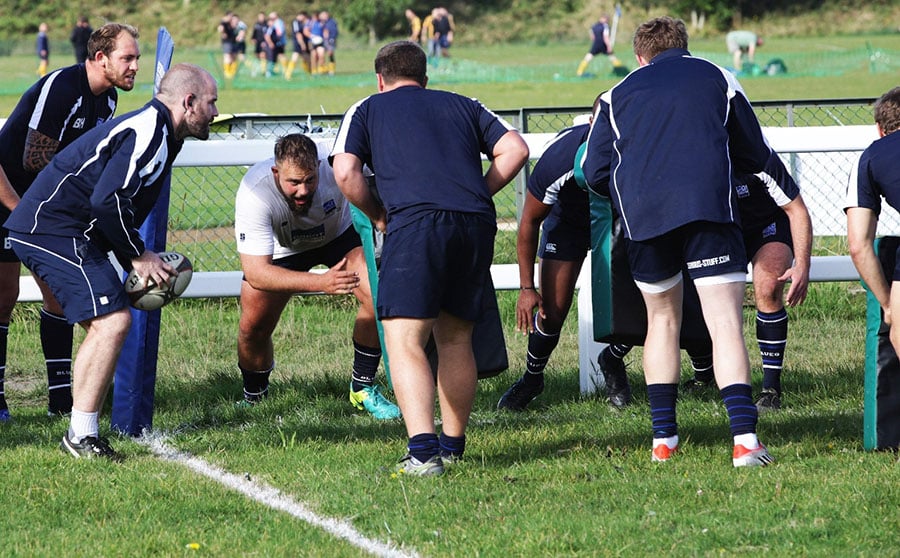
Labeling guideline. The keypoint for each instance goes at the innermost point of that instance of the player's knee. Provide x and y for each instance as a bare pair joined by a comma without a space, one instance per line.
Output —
254,331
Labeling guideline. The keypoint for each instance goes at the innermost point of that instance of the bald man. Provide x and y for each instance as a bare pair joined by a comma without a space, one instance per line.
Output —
91,200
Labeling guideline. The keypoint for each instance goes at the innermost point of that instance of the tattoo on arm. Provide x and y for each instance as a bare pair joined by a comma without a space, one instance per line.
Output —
39,149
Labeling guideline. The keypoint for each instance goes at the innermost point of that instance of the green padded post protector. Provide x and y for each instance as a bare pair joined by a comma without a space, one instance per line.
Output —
601,268
881,389
366,231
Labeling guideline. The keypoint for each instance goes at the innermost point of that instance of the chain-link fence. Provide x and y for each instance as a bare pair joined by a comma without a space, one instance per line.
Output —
201,215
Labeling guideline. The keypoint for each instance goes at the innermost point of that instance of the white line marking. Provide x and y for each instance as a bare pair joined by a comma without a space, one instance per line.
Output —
271,497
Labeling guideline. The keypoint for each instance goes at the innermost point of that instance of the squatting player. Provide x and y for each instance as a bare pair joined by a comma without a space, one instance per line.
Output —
877,175
557,209
289,217
54,112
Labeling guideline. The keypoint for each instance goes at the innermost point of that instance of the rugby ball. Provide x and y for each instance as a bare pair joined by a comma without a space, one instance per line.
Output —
153,296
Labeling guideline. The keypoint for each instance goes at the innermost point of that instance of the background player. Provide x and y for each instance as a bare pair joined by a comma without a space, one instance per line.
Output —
50,115
289,217
742,43
600,44
440,235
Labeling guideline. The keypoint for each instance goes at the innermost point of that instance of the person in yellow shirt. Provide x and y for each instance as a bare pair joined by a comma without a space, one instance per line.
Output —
415,26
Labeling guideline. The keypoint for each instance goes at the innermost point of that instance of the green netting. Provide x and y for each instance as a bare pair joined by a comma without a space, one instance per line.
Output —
454,70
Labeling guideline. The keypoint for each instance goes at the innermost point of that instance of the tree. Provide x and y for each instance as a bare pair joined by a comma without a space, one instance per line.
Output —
374,17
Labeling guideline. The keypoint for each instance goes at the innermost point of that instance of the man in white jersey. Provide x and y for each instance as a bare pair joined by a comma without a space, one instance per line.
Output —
289,217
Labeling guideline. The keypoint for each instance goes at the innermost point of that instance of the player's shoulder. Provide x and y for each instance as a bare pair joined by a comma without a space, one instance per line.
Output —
257,176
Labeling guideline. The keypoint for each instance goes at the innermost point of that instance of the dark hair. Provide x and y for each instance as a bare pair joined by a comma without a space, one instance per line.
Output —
887,111
299,150
659,34
103,39
401,60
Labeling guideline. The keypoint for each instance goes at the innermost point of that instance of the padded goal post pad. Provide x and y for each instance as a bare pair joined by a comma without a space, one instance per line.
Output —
881,392
619,312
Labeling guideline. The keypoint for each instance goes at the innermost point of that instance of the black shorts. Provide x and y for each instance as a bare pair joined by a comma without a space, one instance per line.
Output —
328,255
706,249
564,242
779,230
441,262
598,47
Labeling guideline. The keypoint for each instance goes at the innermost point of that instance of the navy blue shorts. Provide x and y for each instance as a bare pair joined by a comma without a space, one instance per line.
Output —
440,262
706,249
564,242
80,275
328,255
779,230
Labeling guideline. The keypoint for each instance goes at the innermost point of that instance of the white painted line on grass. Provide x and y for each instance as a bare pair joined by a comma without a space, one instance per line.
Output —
271,497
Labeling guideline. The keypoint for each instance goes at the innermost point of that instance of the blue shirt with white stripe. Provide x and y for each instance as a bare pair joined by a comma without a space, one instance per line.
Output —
102,186
877,174
552,180
60,106
666,141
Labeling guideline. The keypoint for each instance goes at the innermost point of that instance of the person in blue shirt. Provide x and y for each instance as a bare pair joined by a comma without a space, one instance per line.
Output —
90,200
437,211
42,46
51,114
556,210
681,125
329,41
877,176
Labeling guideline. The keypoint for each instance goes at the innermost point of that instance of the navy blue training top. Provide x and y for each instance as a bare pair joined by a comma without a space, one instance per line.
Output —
876,175
664,140
62,107
424,147
552,180
104,184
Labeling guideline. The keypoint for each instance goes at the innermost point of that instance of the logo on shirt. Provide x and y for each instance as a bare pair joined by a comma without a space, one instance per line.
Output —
709,262
308,235
743,191
79,123
329,206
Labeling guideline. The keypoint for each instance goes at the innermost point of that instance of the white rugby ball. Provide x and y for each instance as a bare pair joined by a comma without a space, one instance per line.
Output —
153,296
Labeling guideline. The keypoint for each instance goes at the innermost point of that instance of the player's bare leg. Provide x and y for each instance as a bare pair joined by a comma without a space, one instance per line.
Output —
260,313
662,361
457,372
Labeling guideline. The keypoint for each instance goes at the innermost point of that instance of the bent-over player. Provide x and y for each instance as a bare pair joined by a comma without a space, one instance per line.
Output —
54,112
289,217
877,175
91,200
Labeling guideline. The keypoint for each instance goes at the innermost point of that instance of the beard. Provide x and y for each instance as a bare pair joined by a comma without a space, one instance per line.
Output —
124,81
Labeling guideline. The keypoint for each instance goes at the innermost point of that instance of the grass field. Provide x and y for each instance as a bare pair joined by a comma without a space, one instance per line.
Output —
571,477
